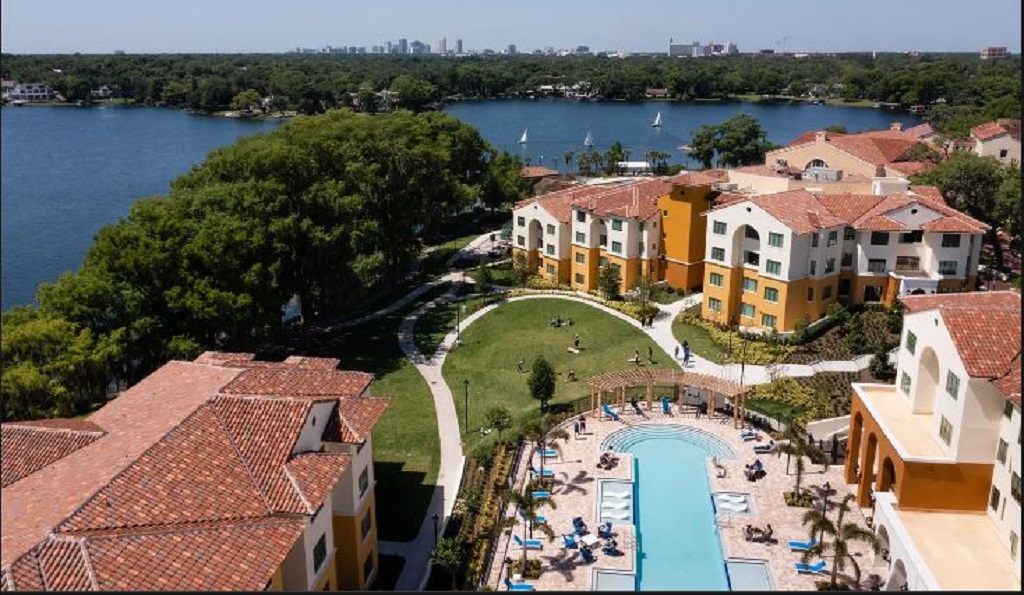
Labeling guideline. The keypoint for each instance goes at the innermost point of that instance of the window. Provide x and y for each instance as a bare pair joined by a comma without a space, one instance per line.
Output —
580,279
810,294
616,224
367,523
950,240
908,263
879,238
642,225
617,247
844,287
945,430
750,284
911,237
602,261
814,240
911,343
640,247
581,238
1014,542
718,254
876,265
581,216
718,227
1015,486
826,294
847,259
521,240
849,233
1001,451
550,249
771,294
550,270
1003,153
768,320
774,239
746,310
993,499
833,238
319,553
751,258
714,304
830,265
521,221
905,383
773,267
1008,410
947,267
750,233
368,567
581,258
603,240
551,229
814,267
952,385
664,214
364,481
716,279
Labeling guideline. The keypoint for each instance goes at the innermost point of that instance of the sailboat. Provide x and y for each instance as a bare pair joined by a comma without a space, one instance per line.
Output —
657,121
589,141
522,139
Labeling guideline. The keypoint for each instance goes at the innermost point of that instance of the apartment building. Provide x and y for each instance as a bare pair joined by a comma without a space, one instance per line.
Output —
650,227
937,456
224,473
999,139
775,259
831,155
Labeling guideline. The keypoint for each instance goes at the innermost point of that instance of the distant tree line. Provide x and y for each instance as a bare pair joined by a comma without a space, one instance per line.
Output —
962,87
328,208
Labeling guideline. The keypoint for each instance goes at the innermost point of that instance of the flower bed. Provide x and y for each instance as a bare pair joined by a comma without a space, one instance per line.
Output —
804,500
752,350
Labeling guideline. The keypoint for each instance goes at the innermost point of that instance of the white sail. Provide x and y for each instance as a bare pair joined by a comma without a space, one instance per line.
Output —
589,141
522,139
657,121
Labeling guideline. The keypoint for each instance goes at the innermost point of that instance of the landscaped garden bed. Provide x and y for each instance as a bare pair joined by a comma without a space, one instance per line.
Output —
804,500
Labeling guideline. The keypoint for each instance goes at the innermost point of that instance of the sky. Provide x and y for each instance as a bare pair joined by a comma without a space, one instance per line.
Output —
229,26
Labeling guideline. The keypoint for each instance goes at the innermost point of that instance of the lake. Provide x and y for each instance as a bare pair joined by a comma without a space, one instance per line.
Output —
67,171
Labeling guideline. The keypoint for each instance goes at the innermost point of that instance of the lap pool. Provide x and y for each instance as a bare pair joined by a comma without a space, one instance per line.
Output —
677,537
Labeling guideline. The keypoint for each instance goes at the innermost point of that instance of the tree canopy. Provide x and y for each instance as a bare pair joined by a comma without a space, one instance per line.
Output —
740,140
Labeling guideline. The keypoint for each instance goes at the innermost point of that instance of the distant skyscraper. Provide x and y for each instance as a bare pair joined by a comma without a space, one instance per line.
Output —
387,47
458,46
403,46
511,51
442,45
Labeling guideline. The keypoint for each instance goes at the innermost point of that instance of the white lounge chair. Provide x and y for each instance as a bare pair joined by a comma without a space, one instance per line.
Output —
619,505
618,494
734,498
619,515
732,507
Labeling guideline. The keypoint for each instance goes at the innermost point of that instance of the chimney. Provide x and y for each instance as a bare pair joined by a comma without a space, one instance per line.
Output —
896,126
820,136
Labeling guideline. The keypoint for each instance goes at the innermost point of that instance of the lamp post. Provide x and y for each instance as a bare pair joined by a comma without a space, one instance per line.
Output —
435,518
465,383
458,322
824,509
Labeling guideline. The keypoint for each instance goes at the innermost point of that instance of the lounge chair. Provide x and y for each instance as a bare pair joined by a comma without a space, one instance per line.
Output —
733,506
569,541
618,494
616,504
802,546
617,515
666,406
587,555
530,544
537,520
518,586
546,473
610,412
541,495
748,432
764,448
734,498
548,453
748,437
818,568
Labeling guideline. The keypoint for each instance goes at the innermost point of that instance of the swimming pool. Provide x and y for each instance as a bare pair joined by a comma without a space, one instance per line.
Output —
749,575
677,538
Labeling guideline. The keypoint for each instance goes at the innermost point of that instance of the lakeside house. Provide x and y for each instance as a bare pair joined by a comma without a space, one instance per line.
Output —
15,91
223,473
999,139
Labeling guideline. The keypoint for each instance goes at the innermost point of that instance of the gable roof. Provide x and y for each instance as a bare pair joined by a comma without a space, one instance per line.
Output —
877,147
991,130
559,203
537,172
29,446
798,210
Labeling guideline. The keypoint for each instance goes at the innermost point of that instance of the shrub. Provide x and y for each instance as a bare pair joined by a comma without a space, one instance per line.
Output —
609,280
758,349
538,282
825,586
789,391
532,568
804,500
880,367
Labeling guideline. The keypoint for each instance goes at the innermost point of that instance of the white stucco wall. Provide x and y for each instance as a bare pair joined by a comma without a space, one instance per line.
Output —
560,239
1007,518
345,496
993,147
316,419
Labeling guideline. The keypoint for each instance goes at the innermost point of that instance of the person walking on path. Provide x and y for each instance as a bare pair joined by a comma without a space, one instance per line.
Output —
583,424
576,429
650,354
636,356
675,352
686,355
576,342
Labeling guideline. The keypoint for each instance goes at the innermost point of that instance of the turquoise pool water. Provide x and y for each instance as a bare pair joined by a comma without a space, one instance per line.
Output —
677,537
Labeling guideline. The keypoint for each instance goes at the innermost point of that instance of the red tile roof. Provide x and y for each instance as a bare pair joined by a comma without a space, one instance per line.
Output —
876,146
293,381
921,130
315,474
359,416
932,193
990,130
633,200
910,168
810,136
559,203
984,326
798,210
1009,383
29,446
537,172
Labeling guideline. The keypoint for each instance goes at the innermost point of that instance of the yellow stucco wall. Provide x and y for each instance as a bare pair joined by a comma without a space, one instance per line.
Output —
277,581
588,269
353,549
329,580
791,305
629,270
561,268
683,232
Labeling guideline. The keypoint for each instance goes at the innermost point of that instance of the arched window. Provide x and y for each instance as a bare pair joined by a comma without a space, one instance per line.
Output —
817,163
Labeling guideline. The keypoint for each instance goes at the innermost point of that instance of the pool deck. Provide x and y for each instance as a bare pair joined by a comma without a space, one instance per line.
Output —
576,490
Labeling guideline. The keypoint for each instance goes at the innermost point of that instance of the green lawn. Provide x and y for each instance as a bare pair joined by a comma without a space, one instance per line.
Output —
440,320
700,339
405,441
774,409
435,262
494,344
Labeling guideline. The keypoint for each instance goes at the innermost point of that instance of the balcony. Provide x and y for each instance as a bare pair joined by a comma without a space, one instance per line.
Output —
910,433
751,258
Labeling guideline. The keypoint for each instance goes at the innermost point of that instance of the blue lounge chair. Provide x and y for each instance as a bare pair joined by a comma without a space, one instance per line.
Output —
541,495
748,437
569,541
818,568
610,412
666,407
802,546
548,453
764,448
587,555
530,544
547,472
518,586
537,520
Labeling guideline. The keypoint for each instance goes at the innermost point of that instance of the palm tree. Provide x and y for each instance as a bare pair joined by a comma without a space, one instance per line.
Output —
843,535
538,432
567,157
448,555
800,447
529,506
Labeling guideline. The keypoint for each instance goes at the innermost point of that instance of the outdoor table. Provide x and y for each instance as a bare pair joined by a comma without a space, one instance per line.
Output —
590,540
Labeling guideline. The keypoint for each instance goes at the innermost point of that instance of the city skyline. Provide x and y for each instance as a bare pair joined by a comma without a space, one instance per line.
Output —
228,26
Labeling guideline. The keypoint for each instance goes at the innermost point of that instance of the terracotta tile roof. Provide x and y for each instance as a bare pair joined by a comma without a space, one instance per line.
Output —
851,208
1009,384
559,203
29,446
221,358
359,416
878,146
315,475
767,170
62,565
633,200
798,210
290,381
990,130
317,363
909,168
537,172
811,136
921,130
984,326
704,177
932,193
25,576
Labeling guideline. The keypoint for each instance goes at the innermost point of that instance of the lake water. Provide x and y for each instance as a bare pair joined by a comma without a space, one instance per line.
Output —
66,172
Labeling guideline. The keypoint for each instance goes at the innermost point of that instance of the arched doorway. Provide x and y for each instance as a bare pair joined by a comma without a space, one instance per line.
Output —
923,398
883,544
867,471
897,577
887,479
853,452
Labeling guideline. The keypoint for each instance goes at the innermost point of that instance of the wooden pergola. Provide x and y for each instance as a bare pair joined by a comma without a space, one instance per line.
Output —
614,384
